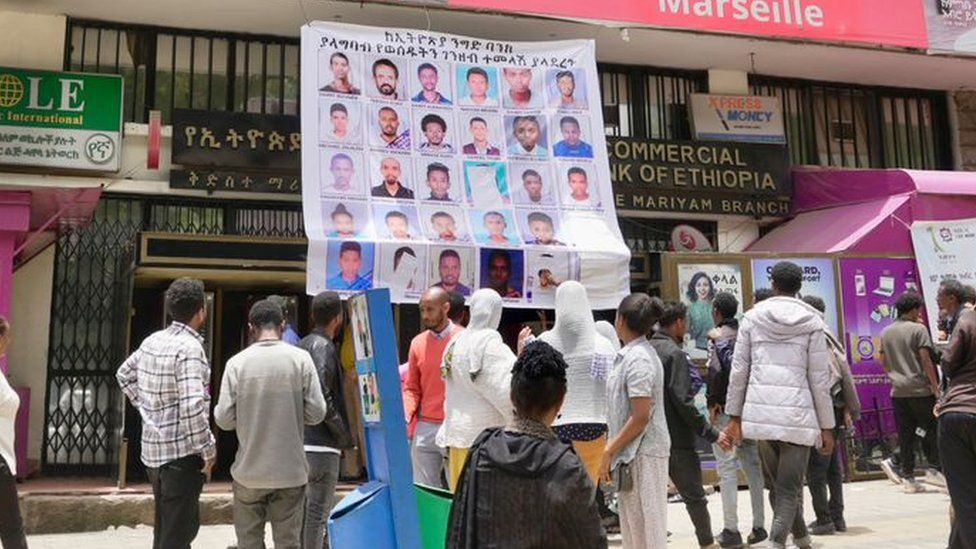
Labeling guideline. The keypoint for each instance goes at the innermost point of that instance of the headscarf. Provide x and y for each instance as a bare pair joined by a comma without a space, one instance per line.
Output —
574,330
607,330
486,315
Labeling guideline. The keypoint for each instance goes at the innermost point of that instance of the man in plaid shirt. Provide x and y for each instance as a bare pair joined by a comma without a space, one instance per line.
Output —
167,379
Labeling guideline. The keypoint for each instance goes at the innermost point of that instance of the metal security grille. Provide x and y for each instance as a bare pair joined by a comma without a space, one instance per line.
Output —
852,126
166,69
647,102
90,313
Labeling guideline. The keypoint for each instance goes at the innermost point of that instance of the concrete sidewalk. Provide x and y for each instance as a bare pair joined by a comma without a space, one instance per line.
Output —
878,515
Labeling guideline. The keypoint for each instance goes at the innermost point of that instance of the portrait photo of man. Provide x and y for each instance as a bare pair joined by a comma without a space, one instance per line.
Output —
444,226
351,263
391,186
527,136
494,227
572,145
578,190
450,271
398,226
477,86
341,70
438,179
521,89
340,173
565,93
340,121
481,139
540,229
386,80
444,223
435,137
390,130
502,271
531,188
428,76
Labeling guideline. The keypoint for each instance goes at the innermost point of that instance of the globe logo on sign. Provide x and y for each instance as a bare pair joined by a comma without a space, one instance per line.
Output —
11,90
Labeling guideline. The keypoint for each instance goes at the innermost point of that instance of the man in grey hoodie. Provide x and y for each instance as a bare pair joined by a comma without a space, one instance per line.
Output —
781,356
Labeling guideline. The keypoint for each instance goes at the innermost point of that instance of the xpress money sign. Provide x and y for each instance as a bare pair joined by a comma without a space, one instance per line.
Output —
60,119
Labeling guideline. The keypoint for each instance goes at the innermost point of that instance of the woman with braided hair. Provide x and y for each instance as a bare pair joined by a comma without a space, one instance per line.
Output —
521,486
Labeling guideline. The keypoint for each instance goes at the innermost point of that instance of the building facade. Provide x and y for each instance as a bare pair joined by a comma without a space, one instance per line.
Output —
86,297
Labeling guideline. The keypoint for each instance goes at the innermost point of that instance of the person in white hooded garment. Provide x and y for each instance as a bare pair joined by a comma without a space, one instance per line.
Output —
589,357
477,371
607,330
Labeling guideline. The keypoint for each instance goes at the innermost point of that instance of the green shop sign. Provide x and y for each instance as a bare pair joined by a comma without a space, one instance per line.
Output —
62,120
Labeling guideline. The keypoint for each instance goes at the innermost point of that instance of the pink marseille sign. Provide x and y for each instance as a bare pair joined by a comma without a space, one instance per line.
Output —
888,22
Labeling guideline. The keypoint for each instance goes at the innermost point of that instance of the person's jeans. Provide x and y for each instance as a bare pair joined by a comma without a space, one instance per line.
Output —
784,465
823,473
11,523
957,445
912,414
323,475
282,507
684,469
176,494
428,458
746,454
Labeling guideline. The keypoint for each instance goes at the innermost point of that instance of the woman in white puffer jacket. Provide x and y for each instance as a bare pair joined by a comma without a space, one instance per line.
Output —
589,357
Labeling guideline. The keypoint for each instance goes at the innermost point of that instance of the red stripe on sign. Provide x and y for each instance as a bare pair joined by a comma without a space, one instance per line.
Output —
155,139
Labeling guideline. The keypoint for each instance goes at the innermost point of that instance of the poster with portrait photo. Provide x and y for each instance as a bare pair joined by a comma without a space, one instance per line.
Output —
698,284
347,219
438,180
480,134
578,186
341,121
431,83
494,227
502,271
390,176
434,131
566,89
540,227
444,223
388,126
340,72
522,88
349,265
526,137
402,268
453,268
571,136
342,173
385,77
545,270
486,184
361,332
396,222
369,394
532,184
477,86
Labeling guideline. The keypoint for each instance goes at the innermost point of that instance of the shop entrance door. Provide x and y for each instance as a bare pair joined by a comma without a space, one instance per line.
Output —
225,334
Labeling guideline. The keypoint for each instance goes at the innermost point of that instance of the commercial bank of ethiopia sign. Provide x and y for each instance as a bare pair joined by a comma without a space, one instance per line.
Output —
60,119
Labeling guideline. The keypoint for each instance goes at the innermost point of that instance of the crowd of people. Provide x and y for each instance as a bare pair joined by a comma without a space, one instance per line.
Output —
539,442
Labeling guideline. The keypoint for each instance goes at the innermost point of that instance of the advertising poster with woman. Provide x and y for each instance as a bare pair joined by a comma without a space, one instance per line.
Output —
698,283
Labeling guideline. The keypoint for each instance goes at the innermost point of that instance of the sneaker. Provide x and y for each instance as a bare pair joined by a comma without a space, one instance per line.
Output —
729,539
818,529
912,486
804,542
758,535
888,466
840,525
935,478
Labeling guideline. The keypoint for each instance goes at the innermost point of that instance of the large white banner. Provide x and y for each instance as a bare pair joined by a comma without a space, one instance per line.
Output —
943,251
435,159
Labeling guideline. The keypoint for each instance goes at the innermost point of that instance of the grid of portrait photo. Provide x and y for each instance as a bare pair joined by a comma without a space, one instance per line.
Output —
458,175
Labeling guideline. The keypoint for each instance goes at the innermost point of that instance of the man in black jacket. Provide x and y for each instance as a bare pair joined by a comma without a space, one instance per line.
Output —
685,422
324,442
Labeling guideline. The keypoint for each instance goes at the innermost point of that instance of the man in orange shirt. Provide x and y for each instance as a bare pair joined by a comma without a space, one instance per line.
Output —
423,390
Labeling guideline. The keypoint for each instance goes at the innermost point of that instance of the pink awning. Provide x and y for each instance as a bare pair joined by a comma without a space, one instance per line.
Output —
875,226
